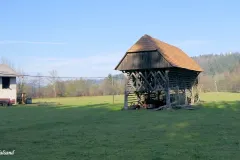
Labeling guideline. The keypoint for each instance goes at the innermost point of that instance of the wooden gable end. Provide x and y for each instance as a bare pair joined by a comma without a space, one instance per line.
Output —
143,60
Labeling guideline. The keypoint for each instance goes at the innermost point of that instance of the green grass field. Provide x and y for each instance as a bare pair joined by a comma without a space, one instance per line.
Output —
94,128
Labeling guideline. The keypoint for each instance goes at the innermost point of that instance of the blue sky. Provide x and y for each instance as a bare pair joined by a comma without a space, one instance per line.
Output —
88,38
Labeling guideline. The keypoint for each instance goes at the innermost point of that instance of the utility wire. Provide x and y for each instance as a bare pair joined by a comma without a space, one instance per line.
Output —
27,75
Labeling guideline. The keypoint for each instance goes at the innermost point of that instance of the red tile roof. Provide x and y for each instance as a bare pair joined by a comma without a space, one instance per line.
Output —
175,56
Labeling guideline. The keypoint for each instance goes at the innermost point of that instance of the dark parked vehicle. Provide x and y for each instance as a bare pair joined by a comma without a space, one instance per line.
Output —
23,99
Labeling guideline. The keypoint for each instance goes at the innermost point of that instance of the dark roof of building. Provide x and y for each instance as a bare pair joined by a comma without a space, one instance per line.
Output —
6,71
175,56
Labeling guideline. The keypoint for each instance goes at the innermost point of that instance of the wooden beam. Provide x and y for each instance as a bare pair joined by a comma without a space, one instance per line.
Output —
178,97
130,82
192,96
125,98
168,103
146,81
185,93
160,108
161,75
139,98
139,83
158,82
134,80
154,80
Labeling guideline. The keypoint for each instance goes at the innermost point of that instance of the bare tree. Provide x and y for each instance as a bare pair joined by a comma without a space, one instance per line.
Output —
53,79
7,62
32,88
21,81
61,88
39,83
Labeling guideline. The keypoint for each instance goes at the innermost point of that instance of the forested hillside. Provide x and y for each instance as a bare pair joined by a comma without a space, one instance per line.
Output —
218,63
221,72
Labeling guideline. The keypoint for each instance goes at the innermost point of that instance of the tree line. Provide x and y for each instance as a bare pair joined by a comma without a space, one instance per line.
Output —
221,73
54,86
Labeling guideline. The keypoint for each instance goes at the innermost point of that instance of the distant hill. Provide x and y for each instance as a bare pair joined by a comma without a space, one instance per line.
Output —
214,64
221,72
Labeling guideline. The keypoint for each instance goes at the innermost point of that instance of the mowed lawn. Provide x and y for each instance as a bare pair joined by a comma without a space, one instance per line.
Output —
95,128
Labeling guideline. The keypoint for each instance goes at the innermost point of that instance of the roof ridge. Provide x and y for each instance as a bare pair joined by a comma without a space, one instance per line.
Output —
144,43
150,39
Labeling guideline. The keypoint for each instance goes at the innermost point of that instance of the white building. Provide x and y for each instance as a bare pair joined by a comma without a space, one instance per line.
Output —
8,87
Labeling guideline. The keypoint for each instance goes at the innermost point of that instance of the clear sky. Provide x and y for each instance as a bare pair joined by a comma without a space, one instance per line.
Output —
88,38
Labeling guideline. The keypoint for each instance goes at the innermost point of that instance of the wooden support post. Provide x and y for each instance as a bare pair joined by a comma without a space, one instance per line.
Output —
185,93
126,93
125,100
178,97
155,80
148,95
168,103
192,96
